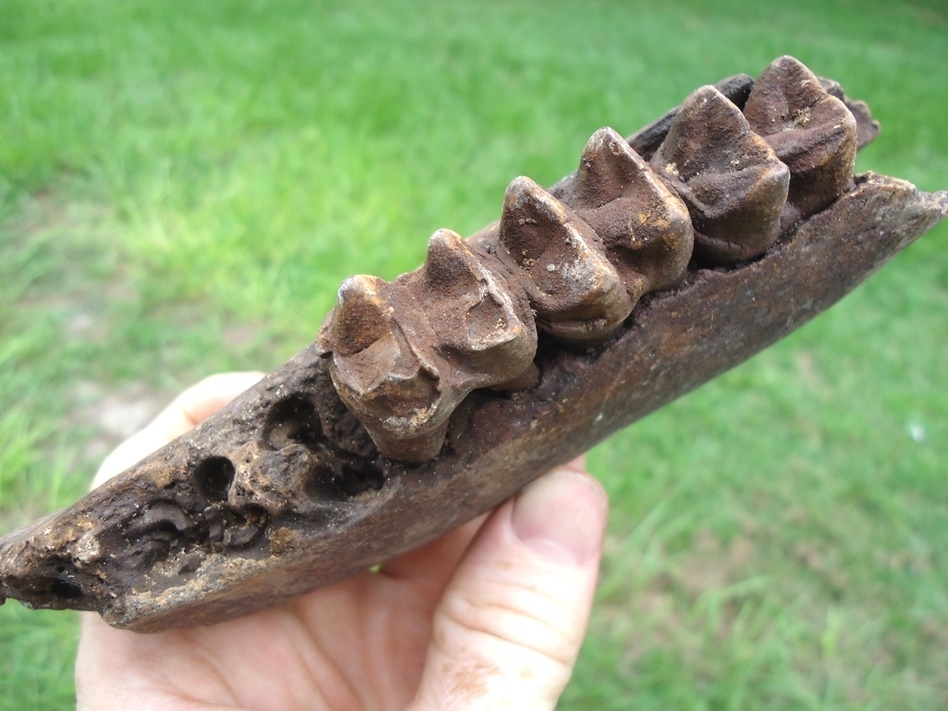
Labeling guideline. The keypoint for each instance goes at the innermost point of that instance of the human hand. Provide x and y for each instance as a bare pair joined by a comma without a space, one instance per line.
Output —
490,616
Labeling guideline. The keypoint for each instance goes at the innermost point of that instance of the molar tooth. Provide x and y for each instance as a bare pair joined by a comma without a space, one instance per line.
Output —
363,336
478,319
644,225
577,293
810,130
867,128
609,169
404,355
734,185
382,373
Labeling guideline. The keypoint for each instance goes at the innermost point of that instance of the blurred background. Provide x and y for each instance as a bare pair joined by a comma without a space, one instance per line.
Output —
184,185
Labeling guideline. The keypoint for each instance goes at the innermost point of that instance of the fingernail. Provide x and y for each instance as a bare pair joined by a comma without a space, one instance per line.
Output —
562,516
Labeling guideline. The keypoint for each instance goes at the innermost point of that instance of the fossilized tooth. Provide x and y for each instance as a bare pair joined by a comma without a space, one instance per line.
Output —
643,225
384,369
647,139
813,133
284,489
737,88
576,292
734,185
867,129
483,326
404,355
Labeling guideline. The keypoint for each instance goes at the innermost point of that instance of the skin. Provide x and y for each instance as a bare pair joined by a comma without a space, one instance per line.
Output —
491,616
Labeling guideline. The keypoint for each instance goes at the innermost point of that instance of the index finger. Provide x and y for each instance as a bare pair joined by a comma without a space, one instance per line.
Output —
185,412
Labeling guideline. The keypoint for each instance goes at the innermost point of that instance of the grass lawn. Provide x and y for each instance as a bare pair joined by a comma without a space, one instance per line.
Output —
184,185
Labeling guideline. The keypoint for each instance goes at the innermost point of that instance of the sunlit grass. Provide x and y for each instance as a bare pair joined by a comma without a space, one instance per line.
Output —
183,186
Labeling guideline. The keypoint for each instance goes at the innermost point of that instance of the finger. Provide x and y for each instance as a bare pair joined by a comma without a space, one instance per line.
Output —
509,627
202,400
431,565
190,408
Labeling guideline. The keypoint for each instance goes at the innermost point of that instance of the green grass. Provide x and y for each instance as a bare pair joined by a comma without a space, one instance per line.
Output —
183,186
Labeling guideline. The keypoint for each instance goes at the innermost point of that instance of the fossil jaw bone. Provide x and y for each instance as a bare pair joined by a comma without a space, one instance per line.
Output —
284,490
586,251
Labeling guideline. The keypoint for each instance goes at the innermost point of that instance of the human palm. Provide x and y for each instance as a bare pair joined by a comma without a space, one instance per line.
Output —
490,614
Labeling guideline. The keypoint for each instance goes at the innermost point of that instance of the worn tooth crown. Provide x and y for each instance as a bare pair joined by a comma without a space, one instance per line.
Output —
362,317
734,185
573,287
368,346
608,170
381,373
404,355
482,327
644,226
810,130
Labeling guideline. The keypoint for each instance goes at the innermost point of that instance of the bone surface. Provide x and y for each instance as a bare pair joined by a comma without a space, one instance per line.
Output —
666,259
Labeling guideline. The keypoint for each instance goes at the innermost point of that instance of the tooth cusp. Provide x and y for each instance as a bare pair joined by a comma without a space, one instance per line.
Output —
734,185
644,226
609,169
812,132
481,325
575,290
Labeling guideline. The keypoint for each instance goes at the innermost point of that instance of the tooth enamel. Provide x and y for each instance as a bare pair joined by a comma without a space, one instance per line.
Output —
810,130
381,373
481,326
644,226
735,208
582,299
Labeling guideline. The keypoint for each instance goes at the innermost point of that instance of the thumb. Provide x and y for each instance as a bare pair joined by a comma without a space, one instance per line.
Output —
512,619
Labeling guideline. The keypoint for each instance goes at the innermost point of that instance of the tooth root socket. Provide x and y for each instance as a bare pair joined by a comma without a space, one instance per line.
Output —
644,226
734,185
809,130
575,290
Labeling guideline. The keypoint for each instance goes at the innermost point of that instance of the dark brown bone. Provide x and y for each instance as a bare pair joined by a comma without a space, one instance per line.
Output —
284,490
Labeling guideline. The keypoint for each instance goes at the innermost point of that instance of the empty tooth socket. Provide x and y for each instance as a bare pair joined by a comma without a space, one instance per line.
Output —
575,290
734,185
644,226
810,131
